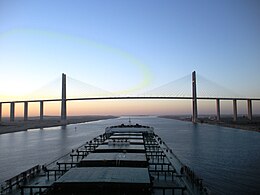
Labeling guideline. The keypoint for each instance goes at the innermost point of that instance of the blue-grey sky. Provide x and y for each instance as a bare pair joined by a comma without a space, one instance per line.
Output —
129,45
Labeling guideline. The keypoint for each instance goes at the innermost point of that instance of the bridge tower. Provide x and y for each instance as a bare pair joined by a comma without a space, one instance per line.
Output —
194,98
63,98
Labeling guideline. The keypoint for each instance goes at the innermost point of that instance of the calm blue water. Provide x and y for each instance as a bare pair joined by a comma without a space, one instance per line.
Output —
227,159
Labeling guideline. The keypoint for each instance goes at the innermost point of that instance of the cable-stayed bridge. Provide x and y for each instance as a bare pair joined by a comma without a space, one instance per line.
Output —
192,88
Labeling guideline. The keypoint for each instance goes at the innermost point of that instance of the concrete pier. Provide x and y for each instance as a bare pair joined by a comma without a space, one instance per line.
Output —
0,112
25,116
12,111
63,97
194,98
249,109
218,109
41,110
234,110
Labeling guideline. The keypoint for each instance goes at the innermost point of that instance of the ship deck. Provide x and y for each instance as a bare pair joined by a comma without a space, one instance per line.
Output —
112,163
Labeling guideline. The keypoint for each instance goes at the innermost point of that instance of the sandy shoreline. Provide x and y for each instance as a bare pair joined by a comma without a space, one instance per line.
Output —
33,123
20,125
241,123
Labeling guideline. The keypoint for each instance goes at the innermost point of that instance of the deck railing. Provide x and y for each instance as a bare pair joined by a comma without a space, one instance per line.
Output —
19,179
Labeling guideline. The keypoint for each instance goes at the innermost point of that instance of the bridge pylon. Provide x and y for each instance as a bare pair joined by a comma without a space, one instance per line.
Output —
63,98
194,98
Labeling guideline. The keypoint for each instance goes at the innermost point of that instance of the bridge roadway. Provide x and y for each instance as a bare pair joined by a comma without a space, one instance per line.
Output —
131,97
12,103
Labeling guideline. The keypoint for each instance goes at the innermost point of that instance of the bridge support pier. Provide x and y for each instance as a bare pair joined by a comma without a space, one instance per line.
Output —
63,98
12,105
249,109
234,110
0,111
25,109
218,109
41,110
194,98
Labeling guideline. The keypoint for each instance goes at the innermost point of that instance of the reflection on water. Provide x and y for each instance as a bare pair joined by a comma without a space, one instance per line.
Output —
227,159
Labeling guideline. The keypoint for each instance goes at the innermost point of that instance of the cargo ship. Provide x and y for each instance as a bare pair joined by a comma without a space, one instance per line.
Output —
126,159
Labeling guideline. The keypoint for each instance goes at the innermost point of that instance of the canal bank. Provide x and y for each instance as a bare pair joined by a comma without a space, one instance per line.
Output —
49,121
226,121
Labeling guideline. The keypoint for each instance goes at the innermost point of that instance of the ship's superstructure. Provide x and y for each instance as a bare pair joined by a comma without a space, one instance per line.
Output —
126,159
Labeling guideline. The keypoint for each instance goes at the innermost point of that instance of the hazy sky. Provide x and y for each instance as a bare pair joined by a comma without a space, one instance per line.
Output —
121,45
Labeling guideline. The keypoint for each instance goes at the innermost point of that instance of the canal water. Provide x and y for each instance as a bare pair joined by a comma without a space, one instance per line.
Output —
227,159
